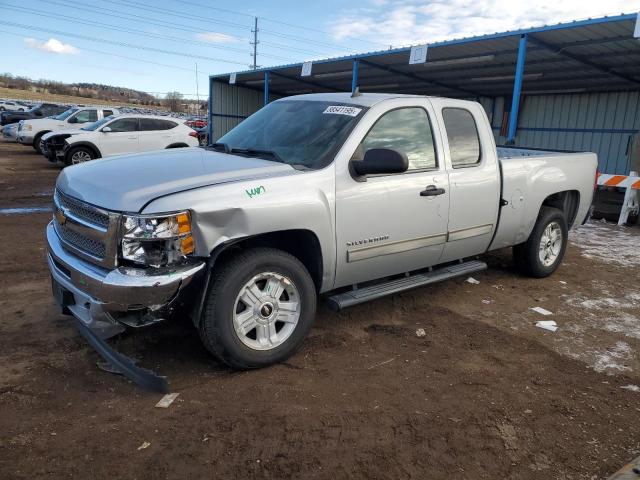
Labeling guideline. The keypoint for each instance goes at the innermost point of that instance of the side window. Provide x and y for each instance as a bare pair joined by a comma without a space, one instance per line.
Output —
407,130
124,125
107,113
149,124
462,132
85,116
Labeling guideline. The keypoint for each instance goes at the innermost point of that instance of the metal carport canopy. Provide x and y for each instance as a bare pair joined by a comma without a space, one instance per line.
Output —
591,55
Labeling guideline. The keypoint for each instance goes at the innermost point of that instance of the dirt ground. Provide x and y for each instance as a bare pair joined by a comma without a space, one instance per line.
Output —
484,395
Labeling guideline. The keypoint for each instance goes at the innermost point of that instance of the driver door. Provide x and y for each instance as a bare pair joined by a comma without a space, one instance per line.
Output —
388,224
121,139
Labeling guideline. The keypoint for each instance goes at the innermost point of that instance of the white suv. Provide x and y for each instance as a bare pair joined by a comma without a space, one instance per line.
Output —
12,106
30,132
118,135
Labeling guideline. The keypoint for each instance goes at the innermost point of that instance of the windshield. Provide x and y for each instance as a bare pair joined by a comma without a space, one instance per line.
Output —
297,132
95,125
64,115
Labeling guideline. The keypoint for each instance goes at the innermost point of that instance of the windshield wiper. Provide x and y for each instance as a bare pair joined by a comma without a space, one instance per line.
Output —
220,147
254,152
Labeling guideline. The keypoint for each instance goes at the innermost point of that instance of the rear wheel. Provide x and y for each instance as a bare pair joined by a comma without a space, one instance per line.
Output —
78,155
543,251
259,309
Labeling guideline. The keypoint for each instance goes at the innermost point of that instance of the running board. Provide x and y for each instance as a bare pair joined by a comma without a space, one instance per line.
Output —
353,297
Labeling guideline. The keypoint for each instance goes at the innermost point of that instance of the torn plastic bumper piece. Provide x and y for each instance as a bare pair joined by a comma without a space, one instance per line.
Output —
140,376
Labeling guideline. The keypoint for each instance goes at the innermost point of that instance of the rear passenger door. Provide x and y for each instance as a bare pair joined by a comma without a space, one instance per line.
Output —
156,133
474,177
121,139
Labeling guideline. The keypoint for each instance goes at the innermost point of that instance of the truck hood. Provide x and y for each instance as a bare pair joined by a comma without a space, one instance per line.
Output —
127,183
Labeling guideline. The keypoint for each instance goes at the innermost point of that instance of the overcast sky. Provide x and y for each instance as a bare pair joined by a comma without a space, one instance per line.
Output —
153,45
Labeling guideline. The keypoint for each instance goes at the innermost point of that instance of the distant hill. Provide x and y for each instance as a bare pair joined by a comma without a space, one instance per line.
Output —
93,91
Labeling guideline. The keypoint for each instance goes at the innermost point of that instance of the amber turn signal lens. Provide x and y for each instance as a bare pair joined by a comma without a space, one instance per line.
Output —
184,223
187,245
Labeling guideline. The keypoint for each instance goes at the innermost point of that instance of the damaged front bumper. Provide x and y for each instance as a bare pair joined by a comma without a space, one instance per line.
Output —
106,301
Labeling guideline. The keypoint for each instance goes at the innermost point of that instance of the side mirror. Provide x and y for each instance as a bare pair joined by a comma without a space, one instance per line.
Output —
381,161
106,129
72,120
39,113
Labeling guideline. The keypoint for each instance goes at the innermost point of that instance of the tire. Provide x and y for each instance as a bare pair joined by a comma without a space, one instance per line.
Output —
540,260
271,340
36,142
78,155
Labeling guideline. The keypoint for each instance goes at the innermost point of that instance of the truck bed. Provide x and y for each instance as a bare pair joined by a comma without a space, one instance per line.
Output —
529,176
505,153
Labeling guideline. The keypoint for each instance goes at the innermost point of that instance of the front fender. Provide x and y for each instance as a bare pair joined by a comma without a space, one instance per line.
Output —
236,210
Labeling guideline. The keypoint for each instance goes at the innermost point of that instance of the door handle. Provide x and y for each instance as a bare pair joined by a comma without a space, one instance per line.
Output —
432,191
132,138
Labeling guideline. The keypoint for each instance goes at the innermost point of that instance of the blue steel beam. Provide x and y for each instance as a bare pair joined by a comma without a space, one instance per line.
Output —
354,75
266,88
517,90
210,114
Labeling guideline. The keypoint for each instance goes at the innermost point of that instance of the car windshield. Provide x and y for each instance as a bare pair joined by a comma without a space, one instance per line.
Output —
95,125
64,115
298,132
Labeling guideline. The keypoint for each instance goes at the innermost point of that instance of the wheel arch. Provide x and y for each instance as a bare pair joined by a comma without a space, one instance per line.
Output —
567,201
40,134
301,243
177,145
89,145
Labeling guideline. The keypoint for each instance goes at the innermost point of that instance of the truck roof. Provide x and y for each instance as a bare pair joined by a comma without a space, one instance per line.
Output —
363,100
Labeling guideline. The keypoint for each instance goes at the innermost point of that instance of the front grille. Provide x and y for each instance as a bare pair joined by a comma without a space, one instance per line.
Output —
83,211
81,242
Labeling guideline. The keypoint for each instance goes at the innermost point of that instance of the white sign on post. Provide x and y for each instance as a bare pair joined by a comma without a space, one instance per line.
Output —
232,79
306,69
418,54
636,33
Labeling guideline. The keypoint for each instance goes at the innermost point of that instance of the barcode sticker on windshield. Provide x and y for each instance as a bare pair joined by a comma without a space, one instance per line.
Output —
342,110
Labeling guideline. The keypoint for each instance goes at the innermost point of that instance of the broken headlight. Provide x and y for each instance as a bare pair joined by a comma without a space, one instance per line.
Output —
157,240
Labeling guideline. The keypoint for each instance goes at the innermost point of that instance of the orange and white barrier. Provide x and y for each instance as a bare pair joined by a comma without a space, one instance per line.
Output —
631,182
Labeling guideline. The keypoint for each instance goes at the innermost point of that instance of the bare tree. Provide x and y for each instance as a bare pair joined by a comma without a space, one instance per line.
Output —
173,101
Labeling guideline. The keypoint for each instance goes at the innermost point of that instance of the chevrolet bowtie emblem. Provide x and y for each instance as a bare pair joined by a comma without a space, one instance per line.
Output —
60,216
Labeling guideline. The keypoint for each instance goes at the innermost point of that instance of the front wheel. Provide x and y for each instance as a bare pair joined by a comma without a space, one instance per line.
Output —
543,251
260,307
78,155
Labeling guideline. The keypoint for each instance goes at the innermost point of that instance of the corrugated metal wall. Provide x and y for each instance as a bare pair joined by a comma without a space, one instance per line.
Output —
232,104
596,122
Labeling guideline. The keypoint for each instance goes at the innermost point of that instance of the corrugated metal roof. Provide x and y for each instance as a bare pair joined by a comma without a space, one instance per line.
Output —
581,56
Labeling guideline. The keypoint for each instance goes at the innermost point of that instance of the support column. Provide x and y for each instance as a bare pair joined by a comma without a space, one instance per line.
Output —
517,90
266,88
210,114
354,76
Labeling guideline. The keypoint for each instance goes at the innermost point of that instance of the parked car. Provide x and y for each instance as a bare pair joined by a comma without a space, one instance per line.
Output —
12,106
195,122
117,135
40,111
10,133
350,197
30,132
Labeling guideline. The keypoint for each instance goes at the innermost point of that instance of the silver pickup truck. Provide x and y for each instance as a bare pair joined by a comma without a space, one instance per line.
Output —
347,197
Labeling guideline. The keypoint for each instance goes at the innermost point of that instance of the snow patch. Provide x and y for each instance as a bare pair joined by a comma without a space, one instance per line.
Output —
612,358
608,243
